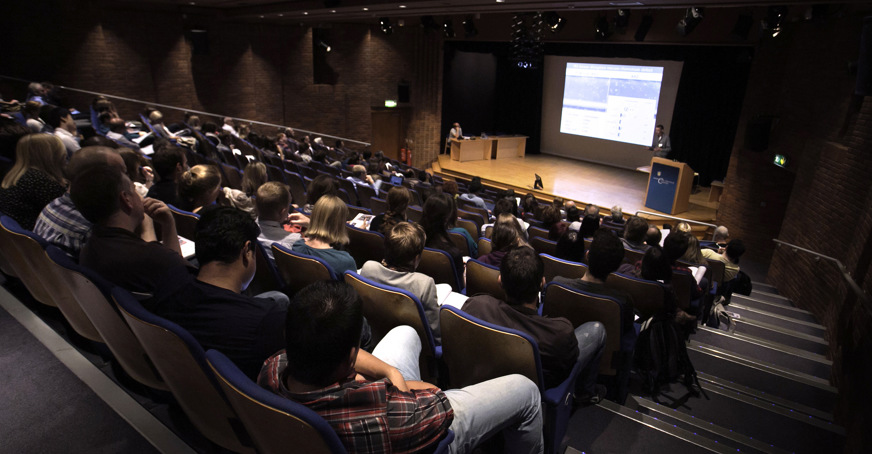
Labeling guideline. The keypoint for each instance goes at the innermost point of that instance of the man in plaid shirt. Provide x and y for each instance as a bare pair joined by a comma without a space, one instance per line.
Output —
376,402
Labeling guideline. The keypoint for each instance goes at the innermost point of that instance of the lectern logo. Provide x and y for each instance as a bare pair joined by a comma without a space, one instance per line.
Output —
663,180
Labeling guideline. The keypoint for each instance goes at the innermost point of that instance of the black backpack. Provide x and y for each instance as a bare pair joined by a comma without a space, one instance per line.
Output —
661,357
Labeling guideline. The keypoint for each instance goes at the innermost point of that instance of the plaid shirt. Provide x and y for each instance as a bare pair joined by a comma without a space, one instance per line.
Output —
62,225
370,417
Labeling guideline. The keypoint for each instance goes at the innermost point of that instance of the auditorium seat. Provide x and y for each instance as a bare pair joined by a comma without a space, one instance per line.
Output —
473,228
365,245
299,270
378,205
460,243
484,246
266,276
558,267
439,265
543,245
186,222
648,296
353,211
18,246
297,187
482,278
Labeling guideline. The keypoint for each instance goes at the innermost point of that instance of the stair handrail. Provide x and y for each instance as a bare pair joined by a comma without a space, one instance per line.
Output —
166,106
864,297
689,221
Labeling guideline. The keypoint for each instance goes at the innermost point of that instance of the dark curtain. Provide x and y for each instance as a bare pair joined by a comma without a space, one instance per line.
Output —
707,106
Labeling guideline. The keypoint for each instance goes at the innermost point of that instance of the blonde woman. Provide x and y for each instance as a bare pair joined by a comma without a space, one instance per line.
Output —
326,231
253,177
36,179
199,187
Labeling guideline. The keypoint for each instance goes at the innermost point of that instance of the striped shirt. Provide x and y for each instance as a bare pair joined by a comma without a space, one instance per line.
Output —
62,225
370,416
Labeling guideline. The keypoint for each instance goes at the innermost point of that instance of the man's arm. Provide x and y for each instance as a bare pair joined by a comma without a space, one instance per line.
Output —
374,368
160,213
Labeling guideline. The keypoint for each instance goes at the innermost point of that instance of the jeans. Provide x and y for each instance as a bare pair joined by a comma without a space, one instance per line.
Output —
591,338
277,297
510,404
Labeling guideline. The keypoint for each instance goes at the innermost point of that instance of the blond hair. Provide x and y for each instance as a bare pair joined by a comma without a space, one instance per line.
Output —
44,152
272,198
328,221
196,184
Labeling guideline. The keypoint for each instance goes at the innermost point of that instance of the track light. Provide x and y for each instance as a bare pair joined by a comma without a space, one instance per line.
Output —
602,28
469,27
622,20
692,17
554,21
774,21
386,26
448,29
324,45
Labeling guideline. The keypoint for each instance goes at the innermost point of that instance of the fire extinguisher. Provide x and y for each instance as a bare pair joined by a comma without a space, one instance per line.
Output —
406,156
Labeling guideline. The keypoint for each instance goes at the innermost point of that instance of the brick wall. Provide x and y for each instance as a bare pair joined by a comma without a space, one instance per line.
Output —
262,72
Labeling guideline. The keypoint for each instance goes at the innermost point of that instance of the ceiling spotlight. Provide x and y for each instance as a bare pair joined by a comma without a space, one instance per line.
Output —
622,20
692,17
325,46
554,21
448,29
386,26
774,21
469,27
602,28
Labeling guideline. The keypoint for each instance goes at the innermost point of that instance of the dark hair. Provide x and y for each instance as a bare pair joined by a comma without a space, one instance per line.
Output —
675,245
165,160
572,214
322,327
506,232
99,141
435,219
605,255
404,242
653,236
10,132
636,229
449,187
475,185
56,115
656,266
529,204
570,246
589,225
322,185
399,198
735,249
133,161
209,126
549,216
504,205
96,191
221,234
521,273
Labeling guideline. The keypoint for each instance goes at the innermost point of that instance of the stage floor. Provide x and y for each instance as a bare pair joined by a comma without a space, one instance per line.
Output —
581,181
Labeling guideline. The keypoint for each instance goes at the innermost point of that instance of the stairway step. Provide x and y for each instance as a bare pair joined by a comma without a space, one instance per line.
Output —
753,392
775,308
699,426
758,419
772,297
778,320
804,389
766,351
611,428
762,286
763,330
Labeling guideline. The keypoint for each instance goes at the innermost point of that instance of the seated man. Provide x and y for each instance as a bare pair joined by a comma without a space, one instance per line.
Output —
60,223
674,247
616,220
136,262
720,238
211,307
603,258
273,203
653,236
404,244
730,256
635,234
522,276
472,196
360,178
375,402
169,163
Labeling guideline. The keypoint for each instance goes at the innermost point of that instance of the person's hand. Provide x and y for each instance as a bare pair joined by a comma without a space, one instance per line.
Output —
298,219
369,179
157,210
149,175
397,379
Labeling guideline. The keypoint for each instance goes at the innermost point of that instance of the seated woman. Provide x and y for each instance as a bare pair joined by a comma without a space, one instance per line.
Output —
437,212
252,178
551,220
506,236
327,232
199,187
399,198
322,185
36,179
471,244
404,243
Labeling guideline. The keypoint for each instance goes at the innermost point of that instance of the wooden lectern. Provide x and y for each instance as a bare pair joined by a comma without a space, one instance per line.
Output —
669,186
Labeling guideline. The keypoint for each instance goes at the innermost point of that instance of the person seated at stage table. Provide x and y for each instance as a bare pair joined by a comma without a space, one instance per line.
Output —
273,202
522,277
634,234
376,402
473,195
434,220
506,236
326,232
404,243
211,306
456,132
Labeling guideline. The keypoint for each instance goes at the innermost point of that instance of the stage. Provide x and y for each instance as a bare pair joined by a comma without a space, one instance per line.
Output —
581,181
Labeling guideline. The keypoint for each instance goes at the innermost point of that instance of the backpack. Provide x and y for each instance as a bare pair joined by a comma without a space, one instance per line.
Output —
661,357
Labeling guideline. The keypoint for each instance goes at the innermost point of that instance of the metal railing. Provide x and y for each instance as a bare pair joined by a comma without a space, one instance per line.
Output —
689,221
842,269
198,112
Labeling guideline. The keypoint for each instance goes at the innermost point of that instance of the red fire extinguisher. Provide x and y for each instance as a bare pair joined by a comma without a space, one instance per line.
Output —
406,156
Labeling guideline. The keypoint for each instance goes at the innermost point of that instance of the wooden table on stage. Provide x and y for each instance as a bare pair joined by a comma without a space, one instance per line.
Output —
495,147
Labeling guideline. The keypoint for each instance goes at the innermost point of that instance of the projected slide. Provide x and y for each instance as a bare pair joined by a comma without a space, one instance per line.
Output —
611,102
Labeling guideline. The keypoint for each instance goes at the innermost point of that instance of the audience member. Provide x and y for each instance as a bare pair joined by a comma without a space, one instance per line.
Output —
730,256
138,170
653,236
560,345
720,238
550,217
326,232
615,222
11,132
471,244
273,205
692,255
504,205
211,307
253,177
360,178
65,129
674,246
589,225
229,126
136,262
450,187
35,93
322,185
36,178
404,244
199,187
634,234
570,246
60,223
323,368
399,198
437,212
472,195
31,116
169,163
116,130
506,236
